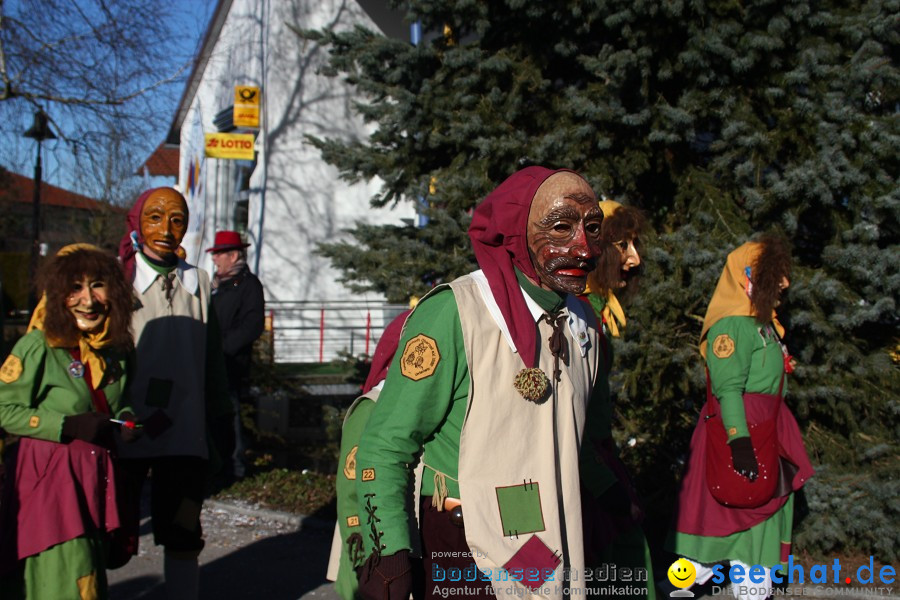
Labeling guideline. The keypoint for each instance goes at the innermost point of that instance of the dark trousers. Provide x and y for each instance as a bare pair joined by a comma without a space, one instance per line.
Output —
440,539
177,488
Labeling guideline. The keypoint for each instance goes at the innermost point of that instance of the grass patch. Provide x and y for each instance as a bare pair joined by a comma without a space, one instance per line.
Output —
300,492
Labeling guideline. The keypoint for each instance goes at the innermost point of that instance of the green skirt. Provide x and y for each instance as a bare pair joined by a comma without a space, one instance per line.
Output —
73,570
759,545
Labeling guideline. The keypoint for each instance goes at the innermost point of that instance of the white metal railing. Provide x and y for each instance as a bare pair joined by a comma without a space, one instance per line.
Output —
319,331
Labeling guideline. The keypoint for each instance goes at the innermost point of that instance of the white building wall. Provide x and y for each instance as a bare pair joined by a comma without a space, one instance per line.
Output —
296,200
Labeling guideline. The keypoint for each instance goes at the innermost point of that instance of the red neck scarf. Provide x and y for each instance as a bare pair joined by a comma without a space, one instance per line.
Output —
499,234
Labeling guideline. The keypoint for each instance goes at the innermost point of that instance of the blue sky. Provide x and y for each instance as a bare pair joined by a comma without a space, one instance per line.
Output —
186,19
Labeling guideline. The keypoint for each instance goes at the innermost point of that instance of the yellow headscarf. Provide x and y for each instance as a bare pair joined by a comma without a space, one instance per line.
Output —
613,314
88,343
730,298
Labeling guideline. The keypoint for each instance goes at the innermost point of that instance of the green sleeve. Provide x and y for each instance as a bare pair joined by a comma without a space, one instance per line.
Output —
348,520
729,351
20,387
408,412
218,403
348,515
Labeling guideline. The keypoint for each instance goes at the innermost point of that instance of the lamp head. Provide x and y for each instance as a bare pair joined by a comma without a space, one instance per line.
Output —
40,130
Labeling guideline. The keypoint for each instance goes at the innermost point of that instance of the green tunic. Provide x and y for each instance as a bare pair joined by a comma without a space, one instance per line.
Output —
352,553
35,402
412,414
36,394
755,366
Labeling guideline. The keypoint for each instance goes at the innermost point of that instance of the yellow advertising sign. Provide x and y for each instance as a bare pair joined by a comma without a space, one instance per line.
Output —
238,146
246,106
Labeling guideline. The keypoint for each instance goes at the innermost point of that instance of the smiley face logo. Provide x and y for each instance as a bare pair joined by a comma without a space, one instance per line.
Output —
682,573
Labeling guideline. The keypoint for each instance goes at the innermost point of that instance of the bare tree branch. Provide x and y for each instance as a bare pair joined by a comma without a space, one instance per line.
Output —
107,72
117,101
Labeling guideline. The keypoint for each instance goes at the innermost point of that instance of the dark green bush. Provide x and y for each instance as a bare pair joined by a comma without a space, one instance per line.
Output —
301,492
854,512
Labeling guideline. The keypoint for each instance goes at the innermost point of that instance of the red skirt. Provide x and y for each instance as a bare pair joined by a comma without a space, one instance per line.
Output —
698,513
54,493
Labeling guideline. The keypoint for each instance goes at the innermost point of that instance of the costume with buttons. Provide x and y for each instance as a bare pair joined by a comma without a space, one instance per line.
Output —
59,504
451,394
743,356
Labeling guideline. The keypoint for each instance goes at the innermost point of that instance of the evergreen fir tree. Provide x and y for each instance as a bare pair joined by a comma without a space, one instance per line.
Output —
719,119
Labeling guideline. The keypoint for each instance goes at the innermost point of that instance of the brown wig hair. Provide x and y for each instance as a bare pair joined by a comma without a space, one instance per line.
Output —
626,223
56,280
771,265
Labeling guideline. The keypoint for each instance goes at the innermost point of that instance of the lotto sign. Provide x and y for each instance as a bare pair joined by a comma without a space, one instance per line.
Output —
238,146
246,106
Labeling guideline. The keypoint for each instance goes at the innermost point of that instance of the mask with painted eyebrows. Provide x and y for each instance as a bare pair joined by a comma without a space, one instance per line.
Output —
564,232
164,220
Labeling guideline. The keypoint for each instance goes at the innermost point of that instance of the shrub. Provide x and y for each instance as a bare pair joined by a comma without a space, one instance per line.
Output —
854,512
303,492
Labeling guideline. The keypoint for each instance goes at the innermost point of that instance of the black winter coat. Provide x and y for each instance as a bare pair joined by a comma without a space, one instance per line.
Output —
239,306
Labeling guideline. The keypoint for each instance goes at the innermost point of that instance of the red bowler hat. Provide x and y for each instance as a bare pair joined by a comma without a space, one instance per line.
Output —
227,240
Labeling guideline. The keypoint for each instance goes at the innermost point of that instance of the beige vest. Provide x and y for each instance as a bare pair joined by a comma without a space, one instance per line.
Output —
170,338
518,460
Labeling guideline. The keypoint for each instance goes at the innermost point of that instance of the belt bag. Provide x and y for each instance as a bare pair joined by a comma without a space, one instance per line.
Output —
726,485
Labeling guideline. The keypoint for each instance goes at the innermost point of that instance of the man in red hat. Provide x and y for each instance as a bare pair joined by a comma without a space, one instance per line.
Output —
490,388
237,297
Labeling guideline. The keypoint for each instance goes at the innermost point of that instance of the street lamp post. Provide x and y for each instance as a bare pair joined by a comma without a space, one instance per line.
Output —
39,131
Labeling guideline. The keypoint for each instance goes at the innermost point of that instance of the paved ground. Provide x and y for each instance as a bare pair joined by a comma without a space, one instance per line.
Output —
249,554
252,553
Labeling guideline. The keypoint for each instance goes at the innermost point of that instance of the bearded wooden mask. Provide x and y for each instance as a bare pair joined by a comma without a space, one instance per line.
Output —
563,234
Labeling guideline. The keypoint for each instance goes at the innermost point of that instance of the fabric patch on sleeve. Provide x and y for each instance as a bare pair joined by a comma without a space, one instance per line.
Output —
420,358
350,463
785,551
732,431
520,509
368,475
353,521
11,369
87,586
34,421
533,564
188,514
159,392
156,424
723,346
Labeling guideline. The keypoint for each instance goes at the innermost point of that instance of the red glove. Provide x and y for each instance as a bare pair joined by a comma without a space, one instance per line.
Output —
386,577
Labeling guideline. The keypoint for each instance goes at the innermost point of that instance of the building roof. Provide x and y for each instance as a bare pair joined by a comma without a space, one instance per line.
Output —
162,162
21,190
